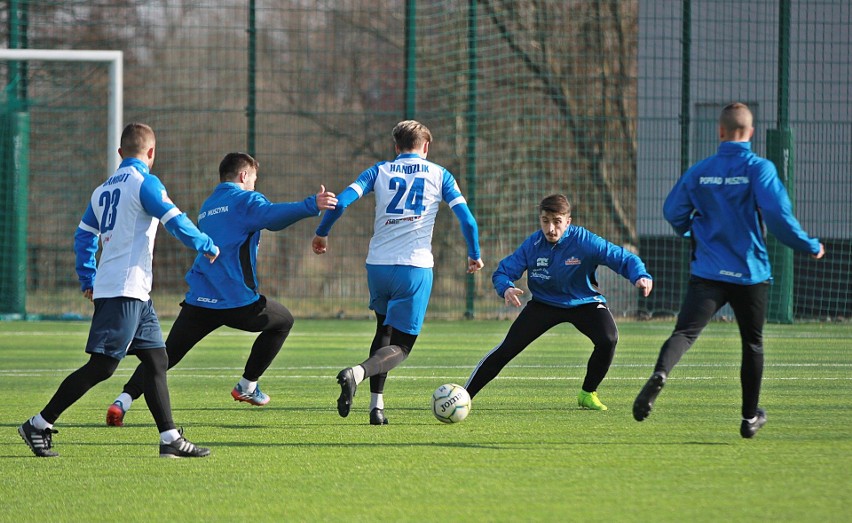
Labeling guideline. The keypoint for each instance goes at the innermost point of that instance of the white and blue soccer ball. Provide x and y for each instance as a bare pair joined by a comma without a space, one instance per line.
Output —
450,403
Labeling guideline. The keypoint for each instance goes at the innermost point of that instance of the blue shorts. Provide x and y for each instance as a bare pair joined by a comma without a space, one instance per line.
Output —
123,325
401,293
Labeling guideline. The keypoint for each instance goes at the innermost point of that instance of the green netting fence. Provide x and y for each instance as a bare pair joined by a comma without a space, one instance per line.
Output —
604,101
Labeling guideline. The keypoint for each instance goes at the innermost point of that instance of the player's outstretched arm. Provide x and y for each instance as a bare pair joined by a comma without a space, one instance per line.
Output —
347,197
184,230
263,214
156,202
326,200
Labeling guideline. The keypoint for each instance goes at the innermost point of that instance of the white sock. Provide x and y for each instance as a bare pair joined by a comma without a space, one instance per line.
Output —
247,386
169,436
124,401
358,371
377,400
39,422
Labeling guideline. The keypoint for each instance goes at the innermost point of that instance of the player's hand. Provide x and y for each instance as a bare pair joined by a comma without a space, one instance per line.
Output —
645,285
88,294
212,257
511,296
474,265
326,200
821,252
320,244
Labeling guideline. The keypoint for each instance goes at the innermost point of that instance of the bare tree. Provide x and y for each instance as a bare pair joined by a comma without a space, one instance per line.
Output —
581,55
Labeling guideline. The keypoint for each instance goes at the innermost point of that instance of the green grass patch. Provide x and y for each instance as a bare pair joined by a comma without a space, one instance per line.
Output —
525,453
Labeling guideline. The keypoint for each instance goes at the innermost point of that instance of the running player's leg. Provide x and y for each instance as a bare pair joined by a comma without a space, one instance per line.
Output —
703,298
749,305
78,383
274,322
114,325
377,382
149,347
190,327
534,320
172,442
38,431
390,356
406,292
397,347
400,293
380,339
155,387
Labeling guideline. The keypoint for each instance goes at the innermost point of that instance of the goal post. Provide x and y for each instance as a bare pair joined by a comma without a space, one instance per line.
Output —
15,155
116,85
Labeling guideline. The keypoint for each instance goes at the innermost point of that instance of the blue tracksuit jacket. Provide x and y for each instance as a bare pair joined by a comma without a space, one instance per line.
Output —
234,217
723,202
562,274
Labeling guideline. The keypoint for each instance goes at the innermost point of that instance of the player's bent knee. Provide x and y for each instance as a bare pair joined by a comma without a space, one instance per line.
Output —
101,367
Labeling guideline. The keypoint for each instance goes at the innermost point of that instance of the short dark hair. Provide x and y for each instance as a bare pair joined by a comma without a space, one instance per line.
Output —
136,138
736,116
556,204
233,163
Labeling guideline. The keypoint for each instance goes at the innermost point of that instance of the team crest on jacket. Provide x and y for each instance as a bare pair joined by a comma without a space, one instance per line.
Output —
573,261
542,262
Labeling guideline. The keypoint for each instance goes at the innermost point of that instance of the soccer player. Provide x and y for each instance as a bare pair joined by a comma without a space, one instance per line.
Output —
226,293
723,204
560,261
399,262
123,212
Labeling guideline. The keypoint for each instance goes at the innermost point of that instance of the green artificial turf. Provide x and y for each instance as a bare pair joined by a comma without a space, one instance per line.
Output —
525,453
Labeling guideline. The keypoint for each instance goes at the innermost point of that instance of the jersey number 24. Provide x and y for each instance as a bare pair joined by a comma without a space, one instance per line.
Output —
413,201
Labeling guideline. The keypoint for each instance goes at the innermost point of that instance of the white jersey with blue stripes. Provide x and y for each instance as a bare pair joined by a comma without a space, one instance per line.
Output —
408,193
123,212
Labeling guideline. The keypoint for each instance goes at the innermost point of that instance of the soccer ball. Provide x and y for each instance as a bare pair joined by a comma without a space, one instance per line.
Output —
450,403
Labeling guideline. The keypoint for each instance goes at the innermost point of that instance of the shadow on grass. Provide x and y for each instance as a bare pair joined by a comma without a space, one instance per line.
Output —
536,446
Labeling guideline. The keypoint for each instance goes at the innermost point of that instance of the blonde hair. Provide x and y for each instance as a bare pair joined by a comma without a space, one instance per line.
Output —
409,135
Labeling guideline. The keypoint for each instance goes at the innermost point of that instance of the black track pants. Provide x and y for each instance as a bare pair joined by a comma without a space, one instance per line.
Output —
593,320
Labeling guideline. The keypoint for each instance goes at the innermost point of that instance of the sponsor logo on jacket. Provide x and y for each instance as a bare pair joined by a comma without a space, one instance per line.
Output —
718,180
211,212
539,274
